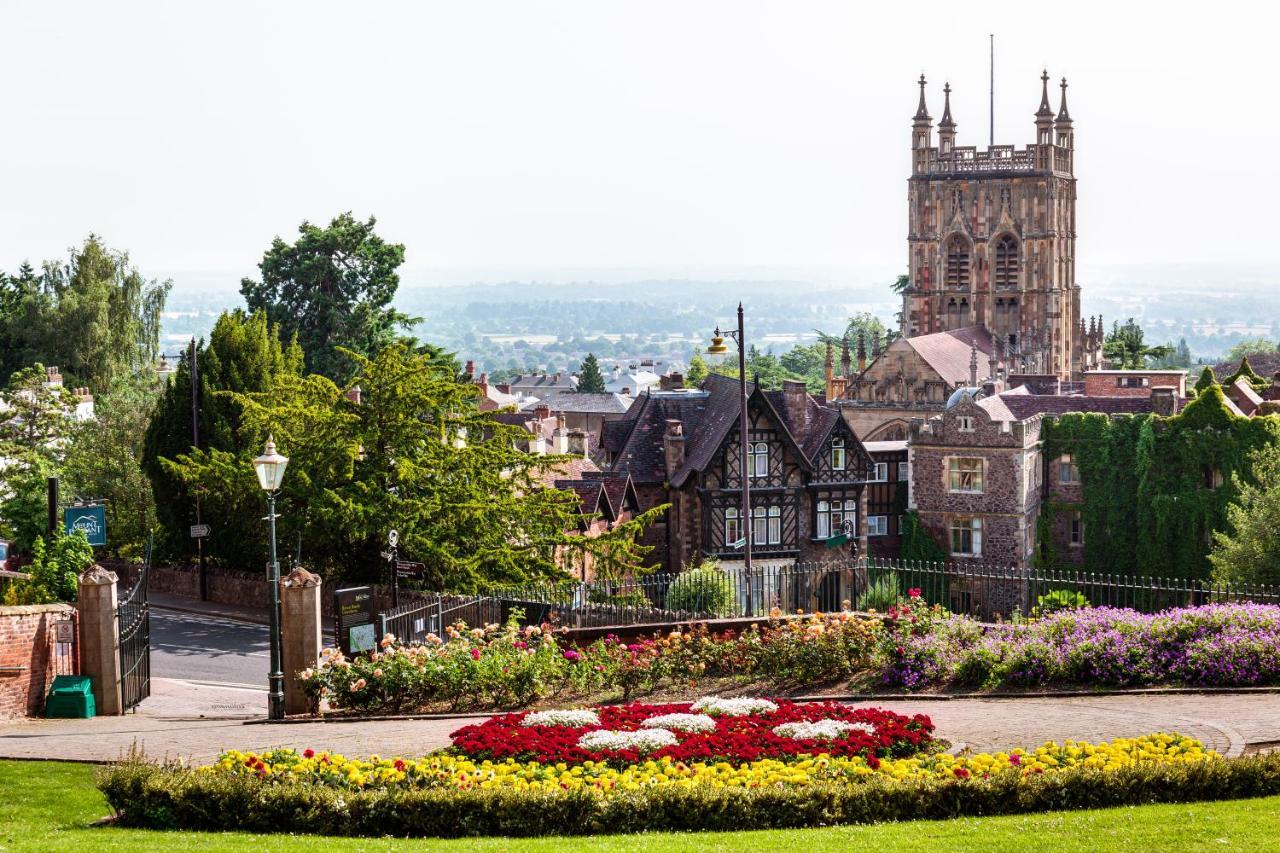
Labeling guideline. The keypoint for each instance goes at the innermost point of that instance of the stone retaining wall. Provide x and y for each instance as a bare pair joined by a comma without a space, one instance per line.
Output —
27,656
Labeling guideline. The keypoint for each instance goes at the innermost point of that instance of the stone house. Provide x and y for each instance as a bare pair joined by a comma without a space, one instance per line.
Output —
887,489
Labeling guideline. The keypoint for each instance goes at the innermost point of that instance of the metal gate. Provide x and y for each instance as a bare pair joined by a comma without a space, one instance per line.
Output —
134,617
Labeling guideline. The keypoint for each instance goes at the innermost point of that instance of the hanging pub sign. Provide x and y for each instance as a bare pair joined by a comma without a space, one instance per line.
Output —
91,520
356,617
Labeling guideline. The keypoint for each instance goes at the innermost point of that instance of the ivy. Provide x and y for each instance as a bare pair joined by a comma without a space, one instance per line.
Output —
1245,372
1150,484
917,544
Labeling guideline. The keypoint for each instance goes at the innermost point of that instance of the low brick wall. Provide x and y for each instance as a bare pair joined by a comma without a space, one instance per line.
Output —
226,586
27,656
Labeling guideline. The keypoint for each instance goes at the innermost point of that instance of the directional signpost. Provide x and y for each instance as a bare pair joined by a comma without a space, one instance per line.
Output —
199,531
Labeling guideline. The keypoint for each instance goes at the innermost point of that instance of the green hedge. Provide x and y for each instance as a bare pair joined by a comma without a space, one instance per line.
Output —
172,797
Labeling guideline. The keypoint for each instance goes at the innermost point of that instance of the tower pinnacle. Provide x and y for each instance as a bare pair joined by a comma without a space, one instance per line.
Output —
1045,110
922,112
946,108
1063,115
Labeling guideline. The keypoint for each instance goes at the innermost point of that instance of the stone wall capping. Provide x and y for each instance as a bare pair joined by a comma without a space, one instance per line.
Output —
96,575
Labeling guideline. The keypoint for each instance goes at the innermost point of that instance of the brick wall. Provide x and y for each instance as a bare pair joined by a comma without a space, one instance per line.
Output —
226,586
1113,384
27,662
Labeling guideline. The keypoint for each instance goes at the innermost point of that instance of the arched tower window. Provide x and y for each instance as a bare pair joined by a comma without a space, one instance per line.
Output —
1005,272
958,262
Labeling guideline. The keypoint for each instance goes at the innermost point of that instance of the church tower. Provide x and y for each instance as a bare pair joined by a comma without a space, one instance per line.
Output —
992,240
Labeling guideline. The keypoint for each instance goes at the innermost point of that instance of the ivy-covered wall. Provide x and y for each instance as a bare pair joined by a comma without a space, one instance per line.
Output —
1148,502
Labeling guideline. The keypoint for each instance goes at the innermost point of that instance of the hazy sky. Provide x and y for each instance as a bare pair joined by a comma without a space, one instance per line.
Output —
599,134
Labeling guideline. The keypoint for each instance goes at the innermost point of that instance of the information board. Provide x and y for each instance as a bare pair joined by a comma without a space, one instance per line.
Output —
92,520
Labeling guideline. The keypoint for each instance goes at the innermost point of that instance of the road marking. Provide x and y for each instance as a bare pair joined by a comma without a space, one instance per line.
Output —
208,650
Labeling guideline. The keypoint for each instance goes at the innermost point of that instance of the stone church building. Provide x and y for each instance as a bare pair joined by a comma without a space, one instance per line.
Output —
991,291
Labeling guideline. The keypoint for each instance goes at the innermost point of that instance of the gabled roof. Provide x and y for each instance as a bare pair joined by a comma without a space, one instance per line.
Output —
1242,394
707,419
591,495
949,353
619,488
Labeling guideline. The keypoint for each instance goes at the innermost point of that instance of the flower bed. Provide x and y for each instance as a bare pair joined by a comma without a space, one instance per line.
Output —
915,646
1218,645
461,772
505,666
629,733
453,795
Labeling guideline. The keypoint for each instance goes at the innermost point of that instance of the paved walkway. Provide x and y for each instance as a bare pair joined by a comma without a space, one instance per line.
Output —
1230,724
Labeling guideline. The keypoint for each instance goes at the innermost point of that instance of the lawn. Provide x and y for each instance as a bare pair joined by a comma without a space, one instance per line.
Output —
49,806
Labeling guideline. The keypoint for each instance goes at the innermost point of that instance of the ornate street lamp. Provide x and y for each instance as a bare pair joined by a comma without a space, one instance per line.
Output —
718,348
270,469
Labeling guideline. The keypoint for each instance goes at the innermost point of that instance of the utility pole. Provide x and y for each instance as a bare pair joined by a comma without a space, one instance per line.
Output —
195,443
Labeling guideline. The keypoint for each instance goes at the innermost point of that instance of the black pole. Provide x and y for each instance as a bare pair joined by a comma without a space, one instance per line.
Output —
748,521
53,508
195,442
275,698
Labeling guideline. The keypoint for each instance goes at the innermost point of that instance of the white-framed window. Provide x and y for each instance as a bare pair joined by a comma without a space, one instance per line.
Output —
964,474
732,527
966,537
1068,473
904,472
831,516
837,454
964,423
877,525
766,525
880,472
1132,381
1077,529
758,459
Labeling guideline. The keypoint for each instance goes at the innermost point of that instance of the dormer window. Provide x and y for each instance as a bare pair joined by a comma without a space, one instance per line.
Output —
837,454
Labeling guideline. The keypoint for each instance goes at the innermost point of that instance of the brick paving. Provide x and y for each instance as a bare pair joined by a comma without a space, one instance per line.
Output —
170,725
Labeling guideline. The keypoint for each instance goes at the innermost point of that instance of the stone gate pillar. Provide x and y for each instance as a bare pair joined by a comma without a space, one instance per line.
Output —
100,638
300,629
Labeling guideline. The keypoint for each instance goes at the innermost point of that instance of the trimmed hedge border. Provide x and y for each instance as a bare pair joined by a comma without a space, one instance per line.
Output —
174,797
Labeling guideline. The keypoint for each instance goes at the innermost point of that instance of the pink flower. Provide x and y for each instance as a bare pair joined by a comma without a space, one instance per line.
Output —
377,673
914,592
571,654
475,654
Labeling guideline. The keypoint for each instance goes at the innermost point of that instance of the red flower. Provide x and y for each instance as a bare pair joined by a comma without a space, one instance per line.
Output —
475,654
961,773
308,753
914,592
400,765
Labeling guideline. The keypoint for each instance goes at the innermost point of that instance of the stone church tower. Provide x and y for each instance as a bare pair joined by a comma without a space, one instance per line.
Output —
992,242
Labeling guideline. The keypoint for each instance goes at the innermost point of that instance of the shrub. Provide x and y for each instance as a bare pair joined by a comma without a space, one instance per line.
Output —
170,796
1060,599
54,571
881,594
702,589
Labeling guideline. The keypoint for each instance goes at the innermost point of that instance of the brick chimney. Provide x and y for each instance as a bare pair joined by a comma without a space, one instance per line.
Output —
671,382
1164,400
470,369
353,394
796,400
673,446
52,378
542,411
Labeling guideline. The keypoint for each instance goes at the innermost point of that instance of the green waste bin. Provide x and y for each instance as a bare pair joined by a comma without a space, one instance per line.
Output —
70,696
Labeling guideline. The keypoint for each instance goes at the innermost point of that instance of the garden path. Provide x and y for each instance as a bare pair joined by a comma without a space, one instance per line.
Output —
1229,723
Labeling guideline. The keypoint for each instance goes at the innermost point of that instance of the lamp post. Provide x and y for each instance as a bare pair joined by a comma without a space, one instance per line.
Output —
718,348
270,469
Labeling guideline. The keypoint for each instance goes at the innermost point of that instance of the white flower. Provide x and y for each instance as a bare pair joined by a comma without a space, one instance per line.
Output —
681,722
821,730
573,718
645,740
740,707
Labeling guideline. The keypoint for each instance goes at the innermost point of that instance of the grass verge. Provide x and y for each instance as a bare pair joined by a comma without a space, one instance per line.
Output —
49,806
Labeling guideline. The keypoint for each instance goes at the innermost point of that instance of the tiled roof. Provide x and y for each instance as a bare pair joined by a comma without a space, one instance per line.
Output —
580,402
1243,395
1012,405
640,451
574,468
707,419
949,353
589,493
618,486
544,381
